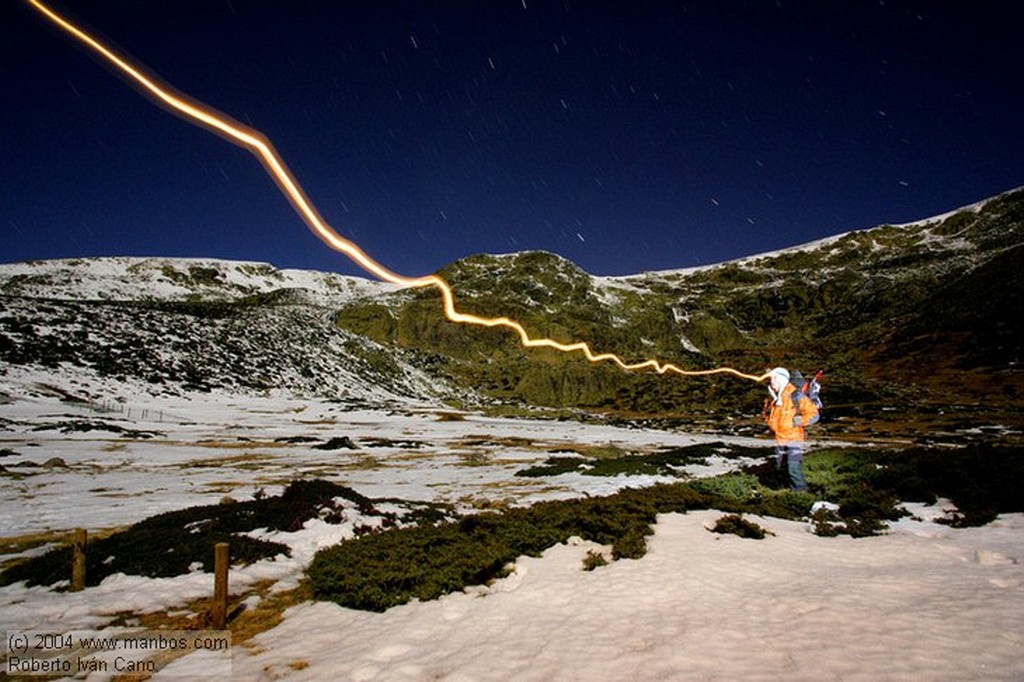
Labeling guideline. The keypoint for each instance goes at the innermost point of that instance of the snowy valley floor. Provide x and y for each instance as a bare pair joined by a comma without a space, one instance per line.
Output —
918,604
923,602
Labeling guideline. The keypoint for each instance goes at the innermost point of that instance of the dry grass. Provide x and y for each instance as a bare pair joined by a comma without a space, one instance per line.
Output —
484,503
360,463
114,494
243,623
410,455
16,544
239,444
22,543
291,410
225,486
592,451
475,458
477,440
268,613
214,443
249,460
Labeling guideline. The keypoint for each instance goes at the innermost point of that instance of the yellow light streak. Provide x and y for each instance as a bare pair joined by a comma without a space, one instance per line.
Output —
256,142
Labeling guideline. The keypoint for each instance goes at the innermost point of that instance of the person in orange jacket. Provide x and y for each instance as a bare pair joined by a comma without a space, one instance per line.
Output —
791,412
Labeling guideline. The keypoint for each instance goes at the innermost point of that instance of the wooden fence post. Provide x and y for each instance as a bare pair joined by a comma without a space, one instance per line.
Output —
220,585
78,542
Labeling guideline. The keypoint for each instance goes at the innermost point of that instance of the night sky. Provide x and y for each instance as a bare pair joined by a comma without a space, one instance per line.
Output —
653,136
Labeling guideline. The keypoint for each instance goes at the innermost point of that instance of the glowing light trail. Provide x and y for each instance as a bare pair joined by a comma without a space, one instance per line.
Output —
200,114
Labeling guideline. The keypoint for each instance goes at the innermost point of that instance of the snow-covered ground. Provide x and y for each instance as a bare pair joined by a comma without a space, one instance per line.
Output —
920,604
923,602
181,453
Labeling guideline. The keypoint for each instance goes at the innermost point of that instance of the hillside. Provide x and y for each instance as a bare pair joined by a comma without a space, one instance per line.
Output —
916,327
114,327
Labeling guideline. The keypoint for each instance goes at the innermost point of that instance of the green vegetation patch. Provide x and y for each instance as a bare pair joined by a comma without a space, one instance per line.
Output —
745,493
378,571
981,480
666,463
594,560
869,485
735,524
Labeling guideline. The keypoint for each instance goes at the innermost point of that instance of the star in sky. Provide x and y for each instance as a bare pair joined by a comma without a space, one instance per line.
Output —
627,138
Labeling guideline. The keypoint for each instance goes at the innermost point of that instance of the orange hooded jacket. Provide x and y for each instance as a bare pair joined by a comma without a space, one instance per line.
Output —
783,412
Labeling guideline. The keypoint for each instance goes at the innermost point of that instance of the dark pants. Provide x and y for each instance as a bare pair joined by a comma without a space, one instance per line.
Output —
791,456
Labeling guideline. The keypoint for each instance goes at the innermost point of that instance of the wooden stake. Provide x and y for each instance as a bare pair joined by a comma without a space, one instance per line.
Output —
220,586
78,542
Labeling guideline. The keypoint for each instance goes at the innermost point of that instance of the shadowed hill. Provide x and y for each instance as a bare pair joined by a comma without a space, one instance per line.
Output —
902,318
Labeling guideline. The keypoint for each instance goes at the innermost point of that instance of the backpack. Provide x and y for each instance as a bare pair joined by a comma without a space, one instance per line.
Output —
811,389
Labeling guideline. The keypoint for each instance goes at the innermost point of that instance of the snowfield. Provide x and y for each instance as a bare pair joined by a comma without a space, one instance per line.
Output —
700,606
923,602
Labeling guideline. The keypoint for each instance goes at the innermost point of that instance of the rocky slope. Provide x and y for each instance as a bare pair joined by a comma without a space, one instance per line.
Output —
176,326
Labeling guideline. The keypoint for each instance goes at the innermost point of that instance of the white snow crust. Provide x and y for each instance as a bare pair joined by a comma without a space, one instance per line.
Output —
924,601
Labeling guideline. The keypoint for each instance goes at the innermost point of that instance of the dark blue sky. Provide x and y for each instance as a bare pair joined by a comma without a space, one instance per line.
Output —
652,136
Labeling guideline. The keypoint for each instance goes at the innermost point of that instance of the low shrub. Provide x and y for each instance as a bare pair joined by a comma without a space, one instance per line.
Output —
612,461
982,480
593,560
172,543
869,485
866,486
379,571
735,524
439,555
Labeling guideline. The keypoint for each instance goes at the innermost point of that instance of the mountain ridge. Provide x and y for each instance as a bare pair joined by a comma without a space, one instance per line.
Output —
887,311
